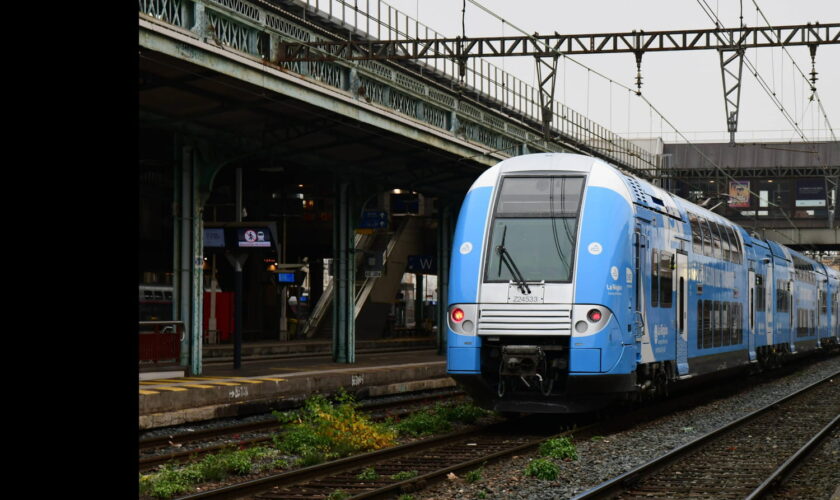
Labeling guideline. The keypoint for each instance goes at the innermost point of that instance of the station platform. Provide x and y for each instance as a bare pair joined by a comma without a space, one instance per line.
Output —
278,375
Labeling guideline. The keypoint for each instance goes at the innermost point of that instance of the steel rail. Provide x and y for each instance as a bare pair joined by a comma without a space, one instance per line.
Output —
780,475
295,476
614,486
148,462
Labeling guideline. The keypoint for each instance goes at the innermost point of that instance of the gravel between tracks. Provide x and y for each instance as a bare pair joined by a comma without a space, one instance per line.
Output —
600,460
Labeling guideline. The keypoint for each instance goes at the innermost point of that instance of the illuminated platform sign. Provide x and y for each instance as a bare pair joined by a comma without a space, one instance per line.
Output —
253,237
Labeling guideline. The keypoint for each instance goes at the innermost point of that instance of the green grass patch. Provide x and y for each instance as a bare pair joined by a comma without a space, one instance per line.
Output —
560,448
542,468
474,475
172,480
323,431
338,495
438,419
403,475
368,474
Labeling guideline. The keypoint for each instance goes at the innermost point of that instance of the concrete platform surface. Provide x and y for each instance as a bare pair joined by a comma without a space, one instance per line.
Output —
264,384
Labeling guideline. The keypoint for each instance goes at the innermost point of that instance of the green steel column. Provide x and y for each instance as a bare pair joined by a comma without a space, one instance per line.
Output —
197,271
444,245
344,334
188,259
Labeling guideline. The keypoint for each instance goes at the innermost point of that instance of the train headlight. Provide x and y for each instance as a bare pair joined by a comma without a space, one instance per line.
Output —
462,318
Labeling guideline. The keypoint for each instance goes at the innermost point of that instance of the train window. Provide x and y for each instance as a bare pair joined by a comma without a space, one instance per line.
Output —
707,237
654,279
147,294
726,324
666,277
724,243
781,301
158,295
716,324
539,196
735,245
759,292
716,239
699,324
696,236
569,190
706,326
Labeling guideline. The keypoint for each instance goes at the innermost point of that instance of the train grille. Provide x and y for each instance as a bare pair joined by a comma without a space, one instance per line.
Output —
525,319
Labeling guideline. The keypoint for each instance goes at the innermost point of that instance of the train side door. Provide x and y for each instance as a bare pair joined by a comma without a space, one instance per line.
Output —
790,313
682,313
752,327
769,300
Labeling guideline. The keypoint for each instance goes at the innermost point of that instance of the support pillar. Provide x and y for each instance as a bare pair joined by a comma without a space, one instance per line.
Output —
444,247
188,281
418,302
344,272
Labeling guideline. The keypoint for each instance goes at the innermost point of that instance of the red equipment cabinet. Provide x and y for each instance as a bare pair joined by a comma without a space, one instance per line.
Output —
224,315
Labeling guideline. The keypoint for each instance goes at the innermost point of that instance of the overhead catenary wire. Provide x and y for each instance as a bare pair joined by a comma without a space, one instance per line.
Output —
653,108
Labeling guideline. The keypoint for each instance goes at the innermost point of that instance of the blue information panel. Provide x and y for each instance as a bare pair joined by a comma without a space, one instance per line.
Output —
214,237
373,219
422,264
286,277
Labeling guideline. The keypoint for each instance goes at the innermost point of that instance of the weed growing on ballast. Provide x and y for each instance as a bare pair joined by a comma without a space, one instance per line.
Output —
561,448
403,475
172,480
542,468
368,474
323,431
438,419
474,475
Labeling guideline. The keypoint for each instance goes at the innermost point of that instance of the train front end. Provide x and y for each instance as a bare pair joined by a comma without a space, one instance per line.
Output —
541,287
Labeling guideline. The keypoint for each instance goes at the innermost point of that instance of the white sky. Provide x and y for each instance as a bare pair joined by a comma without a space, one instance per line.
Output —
685,86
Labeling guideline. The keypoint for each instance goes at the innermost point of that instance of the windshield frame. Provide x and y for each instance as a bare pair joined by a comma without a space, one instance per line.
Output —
488,258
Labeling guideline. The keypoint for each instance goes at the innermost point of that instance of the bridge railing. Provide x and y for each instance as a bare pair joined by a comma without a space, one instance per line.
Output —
379,20
251,27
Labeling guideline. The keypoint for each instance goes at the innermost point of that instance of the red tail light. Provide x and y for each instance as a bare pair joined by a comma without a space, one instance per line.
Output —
594,315
457,315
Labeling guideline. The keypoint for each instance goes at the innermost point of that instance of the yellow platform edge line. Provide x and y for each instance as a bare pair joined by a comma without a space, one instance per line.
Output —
273,379
199,386
170,388
148,392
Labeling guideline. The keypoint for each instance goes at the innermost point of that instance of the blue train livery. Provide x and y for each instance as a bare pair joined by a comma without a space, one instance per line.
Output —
573,285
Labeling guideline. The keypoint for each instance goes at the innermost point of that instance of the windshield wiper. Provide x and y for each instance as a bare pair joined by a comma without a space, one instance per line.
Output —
504,256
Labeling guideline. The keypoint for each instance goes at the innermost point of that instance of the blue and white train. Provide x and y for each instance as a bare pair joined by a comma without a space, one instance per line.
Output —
573,285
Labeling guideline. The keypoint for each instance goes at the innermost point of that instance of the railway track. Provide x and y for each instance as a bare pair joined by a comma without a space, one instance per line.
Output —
424,461
432,459
151,457
745,459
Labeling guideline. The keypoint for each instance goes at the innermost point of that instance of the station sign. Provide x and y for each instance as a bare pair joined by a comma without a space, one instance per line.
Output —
214,237
253,237
240,237
373,219
422,264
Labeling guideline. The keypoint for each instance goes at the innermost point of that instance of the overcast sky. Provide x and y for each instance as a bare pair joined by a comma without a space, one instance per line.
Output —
685,86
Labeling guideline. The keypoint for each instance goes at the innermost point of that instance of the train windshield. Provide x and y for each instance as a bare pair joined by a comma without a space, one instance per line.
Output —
535,224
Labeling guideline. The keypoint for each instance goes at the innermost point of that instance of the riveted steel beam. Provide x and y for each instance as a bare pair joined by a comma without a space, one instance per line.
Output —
550,45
